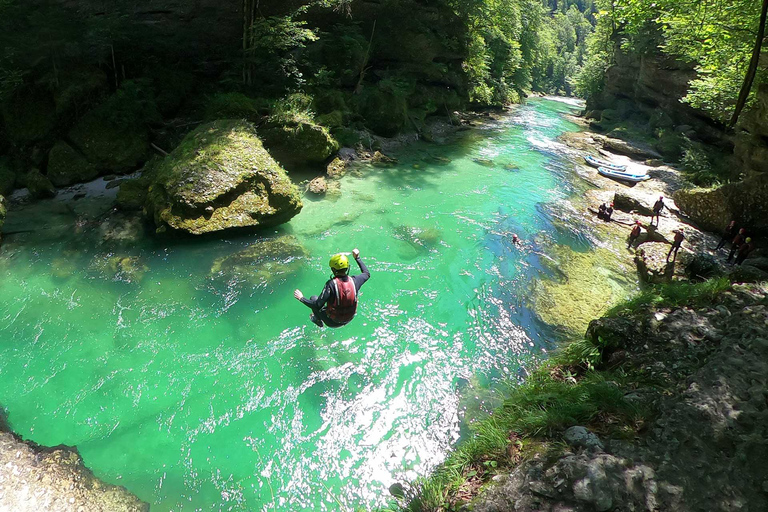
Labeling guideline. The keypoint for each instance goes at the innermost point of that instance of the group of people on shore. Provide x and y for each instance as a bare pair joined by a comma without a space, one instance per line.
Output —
741,244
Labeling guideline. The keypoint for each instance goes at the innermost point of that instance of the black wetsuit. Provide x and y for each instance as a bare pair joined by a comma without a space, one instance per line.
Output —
318,303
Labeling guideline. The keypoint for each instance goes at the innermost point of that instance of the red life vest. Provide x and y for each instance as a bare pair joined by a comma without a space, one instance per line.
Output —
344,306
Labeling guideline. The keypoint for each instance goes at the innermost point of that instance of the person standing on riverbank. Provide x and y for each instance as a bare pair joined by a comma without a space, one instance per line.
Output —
337,303
634,234
676,244
728,234
737,241
746,248
657,207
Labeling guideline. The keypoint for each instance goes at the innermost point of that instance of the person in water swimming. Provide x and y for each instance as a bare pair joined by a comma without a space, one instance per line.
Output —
337,303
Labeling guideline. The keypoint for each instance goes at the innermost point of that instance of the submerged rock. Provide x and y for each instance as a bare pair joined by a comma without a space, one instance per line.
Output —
130,269
221,178
337,168
596,280
485,162
318,186
419,238
66,166
263,262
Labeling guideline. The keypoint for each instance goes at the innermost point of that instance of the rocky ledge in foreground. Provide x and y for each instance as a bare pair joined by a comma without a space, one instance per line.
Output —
703,372
34,478
221,178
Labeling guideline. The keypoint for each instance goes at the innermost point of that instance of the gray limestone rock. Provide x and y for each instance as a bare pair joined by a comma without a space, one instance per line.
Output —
580,437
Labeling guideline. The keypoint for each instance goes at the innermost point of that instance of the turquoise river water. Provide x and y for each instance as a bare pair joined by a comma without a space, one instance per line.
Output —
203,389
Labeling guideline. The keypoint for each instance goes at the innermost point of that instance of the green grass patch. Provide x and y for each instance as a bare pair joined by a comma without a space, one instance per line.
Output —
673,295
552,399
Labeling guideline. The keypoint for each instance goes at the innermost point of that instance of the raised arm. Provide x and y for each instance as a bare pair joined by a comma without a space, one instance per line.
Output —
360,278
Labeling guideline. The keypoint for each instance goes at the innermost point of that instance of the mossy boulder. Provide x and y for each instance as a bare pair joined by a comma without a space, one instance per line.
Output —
298,143
337,168
234,105
712,209
66,166
132,194
262,263
221,178
114,136
333,119
29,115
39,186
385,113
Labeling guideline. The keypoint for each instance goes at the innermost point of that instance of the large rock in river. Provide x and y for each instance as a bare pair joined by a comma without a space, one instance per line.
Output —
66,166
298,143
221,178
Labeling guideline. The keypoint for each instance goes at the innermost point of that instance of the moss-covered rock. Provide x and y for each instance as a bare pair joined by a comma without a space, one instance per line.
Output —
221,178
385,112
29,115
234,105
745,201
39,186
262,263
132,194
298,143
67,166
334,119
114,135
337,168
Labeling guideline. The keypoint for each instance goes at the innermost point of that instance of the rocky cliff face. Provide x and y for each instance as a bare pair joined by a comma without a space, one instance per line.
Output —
35,477
654,84
752,143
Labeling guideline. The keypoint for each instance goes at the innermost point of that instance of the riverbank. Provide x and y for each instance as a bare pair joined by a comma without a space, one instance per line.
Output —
655,408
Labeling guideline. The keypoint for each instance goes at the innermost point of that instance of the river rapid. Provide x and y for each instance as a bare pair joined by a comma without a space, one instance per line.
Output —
201,385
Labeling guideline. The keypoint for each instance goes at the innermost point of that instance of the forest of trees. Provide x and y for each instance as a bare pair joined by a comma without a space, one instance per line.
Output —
360,60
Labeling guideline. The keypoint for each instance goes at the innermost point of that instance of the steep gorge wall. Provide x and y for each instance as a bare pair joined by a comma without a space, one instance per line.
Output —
654,83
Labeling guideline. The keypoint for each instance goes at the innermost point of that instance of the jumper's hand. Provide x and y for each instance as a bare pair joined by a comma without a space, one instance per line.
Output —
298,295
355,253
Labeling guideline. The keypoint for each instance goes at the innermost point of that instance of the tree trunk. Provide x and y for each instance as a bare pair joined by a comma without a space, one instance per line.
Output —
752,70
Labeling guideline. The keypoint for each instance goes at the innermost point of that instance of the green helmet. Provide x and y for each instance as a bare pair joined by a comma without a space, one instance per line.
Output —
339,262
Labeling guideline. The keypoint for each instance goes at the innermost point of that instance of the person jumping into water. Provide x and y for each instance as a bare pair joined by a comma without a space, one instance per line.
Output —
337,303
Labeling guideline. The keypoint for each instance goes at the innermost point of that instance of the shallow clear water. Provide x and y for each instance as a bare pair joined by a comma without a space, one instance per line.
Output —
212,391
